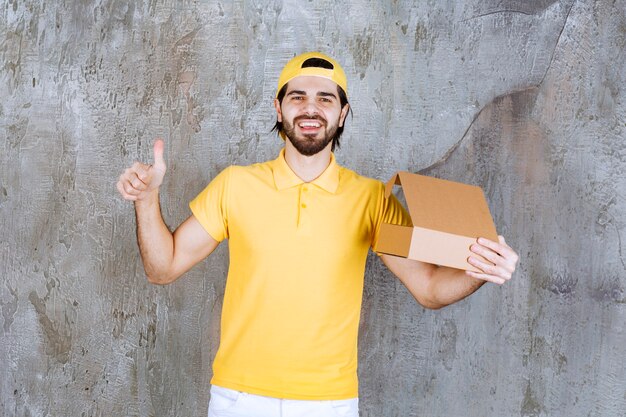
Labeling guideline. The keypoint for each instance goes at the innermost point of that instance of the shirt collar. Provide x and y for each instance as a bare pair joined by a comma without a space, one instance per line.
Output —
285,178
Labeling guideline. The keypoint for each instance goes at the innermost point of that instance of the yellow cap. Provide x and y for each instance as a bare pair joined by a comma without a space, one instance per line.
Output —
294,69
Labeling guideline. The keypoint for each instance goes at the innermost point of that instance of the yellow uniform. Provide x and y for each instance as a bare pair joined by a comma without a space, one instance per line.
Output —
297,258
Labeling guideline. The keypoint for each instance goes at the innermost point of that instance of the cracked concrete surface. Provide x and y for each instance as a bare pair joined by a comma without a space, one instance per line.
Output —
525,99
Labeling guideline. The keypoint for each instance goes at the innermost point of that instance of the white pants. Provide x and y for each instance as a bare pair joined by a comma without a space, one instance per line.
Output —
229,403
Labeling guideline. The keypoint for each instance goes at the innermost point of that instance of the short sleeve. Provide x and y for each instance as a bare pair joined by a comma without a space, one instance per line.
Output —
210,207
390,211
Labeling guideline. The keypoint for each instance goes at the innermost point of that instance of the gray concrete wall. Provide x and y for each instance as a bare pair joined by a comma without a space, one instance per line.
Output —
526,99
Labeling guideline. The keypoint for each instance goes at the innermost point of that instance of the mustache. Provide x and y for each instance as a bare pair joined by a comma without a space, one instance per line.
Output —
310,117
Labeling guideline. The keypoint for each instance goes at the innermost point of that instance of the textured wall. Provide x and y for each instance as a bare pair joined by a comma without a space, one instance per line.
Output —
525,98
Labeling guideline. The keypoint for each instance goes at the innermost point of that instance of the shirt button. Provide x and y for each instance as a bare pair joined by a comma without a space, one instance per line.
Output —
304,189
303,206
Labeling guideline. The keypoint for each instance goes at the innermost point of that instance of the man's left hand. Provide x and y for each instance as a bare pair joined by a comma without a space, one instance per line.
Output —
503,260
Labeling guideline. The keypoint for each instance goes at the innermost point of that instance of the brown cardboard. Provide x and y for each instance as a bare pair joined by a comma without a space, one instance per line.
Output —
447,218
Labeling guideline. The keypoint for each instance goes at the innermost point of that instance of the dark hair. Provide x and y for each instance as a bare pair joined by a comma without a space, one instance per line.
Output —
343,100
317,63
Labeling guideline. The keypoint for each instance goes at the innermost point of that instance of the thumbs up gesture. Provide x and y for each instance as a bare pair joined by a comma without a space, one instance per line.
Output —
140,180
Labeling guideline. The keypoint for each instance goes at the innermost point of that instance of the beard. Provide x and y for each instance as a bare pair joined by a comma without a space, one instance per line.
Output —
309,145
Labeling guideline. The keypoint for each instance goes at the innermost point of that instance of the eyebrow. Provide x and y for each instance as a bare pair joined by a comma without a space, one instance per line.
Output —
324,94
319,94
297,92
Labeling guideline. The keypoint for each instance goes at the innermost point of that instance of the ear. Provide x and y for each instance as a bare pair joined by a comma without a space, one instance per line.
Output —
279,113
344,113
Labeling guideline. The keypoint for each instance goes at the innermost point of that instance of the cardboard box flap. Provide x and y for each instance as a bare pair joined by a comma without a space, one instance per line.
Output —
446,206
395,180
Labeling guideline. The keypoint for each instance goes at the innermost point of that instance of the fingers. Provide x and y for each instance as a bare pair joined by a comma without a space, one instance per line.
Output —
140,180
498,263
122,191
486,253
142,173
134,181
499,247
494,272
486,277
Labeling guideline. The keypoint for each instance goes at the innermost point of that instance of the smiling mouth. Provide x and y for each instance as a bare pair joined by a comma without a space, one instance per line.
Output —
310,125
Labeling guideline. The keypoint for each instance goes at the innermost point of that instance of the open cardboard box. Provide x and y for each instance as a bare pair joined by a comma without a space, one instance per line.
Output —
447,218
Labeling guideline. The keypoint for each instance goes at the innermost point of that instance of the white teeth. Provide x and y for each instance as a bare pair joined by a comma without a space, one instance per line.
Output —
309,124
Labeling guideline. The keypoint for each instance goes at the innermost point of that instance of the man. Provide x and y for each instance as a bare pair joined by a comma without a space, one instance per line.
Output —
299,230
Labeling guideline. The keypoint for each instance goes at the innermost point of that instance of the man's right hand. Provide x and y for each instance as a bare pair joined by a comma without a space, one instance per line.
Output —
140,180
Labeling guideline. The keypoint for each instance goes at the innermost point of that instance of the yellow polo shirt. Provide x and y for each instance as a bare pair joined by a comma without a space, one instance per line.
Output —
297,259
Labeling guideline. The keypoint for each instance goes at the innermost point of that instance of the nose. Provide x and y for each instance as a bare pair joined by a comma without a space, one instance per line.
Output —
310,107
